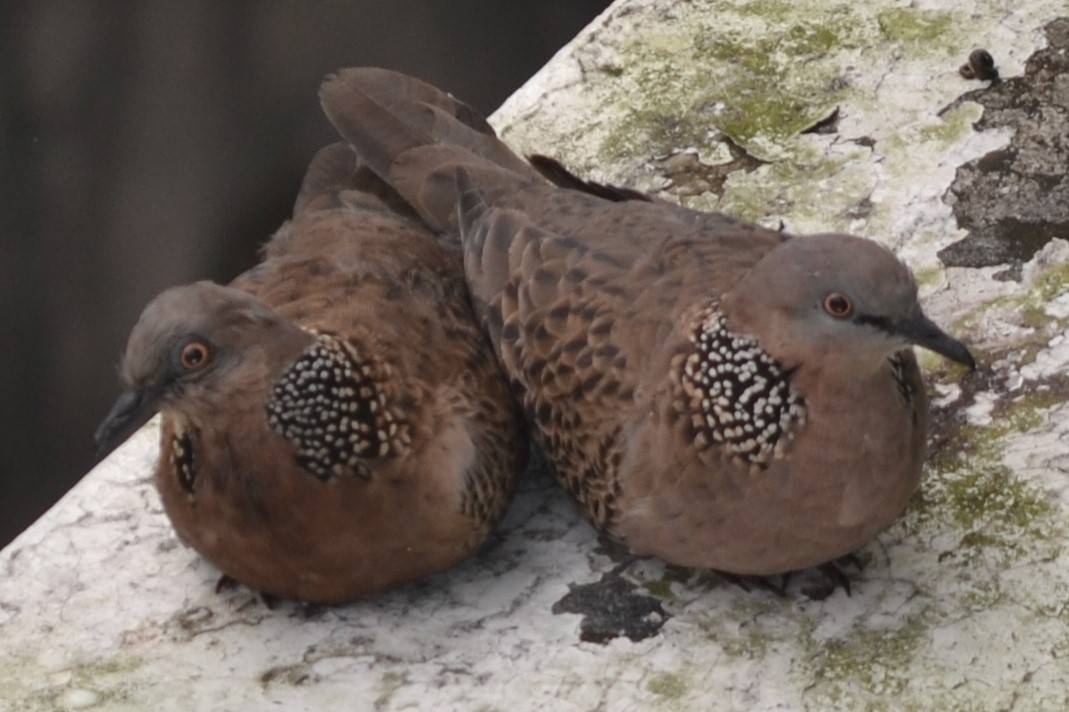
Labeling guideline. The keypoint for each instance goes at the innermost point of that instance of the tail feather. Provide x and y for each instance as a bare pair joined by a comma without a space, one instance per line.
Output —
553,171
392,89
330,171
337,178
376,133
415,137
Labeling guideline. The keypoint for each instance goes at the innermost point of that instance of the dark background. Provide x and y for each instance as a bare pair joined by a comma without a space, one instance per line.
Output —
145,144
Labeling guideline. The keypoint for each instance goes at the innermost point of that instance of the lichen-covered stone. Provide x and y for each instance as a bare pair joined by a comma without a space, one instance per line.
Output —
1015,199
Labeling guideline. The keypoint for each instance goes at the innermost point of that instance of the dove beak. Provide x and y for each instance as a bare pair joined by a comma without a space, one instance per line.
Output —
923,332
130,411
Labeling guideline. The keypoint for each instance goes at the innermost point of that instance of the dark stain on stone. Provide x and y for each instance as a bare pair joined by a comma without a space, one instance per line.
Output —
1013,273
1013,201
612,608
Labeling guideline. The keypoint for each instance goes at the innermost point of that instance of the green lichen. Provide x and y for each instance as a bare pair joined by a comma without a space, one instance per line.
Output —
931,134
909,25
941,369
658,582
782,188
389,684
1028,308
976,493
667,685
758,74
984,595
107,679
996,519
953,125
1034,316
866,663
741,634
752,643
929,277
970,490
771,11
776,74
1052,283
661,589
748,85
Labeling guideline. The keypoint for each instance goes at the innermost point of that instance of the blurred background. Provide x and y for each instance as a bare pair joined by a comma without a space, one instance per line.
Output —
151,143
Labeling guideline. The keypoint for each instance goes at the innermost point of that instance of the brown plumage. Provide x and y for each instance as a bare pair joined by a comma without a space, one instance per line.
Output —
334,422
712,392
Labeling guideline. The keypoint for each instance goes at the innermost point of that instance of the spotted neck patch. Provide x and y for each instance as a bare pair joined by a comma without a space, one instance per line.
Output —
898,372
741,398
331,404
183,460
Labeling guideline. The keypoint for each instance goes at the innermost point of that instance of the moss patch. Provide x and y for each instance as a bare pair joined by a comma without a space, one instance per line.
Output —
759,86
865,664
758,75
929,277
1026,308
910,25
801,190
667,686
105,683
969,489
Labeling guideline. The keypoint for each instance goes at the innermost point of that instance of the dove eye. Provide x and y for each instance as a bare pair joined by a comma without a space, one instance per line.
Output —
194,355
838,305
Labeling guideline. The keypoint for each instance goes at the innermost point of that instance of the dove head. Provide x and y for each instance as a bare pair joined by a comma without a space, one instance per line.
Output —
822,296
188,340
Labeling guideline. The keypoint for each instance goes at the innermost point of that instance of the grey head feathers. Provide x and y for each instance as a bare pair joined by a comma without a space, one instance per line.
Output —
223,317
839,295
186,339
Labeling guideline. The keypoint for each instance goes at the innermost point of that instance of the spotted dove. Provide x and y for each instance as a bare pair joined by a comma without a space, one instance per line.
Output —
334,421
711,392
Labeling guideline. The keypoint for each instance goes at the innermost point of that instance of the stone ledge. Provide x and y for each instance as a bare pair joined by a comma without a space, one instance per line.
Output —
962,605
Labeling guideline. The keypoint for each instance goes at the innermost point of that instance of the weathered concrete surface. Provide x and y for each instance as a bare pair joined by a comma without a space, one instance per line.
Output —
1016,199
963,605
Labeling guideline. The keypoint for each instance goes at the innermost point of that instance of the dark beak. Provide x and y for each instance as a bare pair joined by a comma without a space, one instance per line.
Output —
131,410
922,331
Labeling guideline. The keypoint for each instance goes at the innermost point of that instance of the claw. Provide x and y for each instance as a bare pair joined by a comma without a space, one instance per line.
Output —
623,565
851,559
225,583
733,579
836,576
767,583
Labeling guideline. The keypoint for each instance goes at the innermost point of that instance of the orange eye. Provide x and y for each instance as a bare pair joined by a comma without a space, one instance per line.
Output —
194,355
838,305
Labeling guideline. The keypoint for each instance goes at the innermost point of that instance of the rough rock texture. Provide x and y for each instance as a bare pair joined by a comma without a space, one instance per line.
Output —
822,115
1015,199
